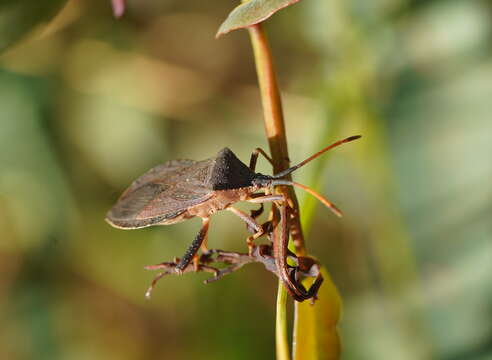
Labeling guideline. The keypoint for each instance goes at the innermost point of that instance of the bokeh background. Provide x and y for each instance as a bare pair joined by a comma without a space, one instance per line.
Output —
89,103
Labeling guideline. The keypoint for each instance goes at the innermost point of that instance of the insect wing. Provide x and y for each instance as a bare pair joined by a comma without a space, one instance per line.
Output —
161,194
167,172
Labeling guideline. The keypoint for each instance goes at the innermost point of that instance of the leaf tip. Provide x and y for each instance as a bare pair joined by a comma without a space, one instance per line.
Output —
225,28
220,33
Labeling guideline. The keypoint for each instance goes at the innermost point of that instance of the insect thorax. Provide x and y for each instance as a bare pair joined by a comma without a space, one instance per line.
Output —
219,201
229,172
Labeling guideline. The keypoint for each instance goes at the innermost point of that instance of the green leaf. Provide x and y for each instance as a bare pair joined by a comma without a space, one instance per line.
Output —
19,17
252,12
316,335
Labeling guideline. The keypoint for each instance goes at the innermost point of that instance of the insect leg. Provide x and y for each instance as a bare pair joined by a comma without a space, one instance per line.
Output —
246,218
252,224
256,213
267,226
170,268
195,245
204,247
280,246
254,158
287,273
266,198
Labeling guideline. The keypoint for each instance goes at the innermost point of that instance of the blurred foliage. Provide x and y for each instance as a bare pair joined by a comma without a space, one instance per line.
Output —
18,17
94,102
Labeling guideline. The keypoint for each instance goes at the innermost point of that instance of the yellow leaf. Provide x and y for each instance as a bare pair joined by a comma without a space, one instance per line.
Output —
316,335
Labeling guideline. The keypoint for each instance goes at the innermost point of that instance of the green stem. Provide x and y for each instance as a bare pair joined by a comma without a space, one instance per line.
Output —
277,140
281,327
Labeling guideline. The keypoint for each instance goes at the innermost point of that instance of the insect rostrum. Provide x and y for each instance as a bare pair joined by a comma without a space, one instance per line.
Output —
182,189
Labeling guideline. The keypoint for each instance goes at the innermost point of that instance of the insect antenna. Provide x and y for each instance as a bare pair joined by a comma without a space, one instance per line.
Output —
277,178
318,196
312,157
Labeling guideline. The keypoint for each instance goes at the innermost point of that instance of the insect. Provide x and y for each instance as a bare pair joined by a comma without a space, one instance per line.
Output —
182,189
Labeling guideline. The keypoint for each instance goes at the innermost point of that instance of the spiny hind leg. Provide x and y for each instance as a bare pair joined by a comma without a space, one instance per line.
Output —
191,252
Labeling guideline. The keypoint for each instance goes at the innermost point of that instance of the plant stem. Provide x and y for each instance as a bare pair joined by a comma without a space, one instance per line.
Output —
270,97
281,331
274,124
277,140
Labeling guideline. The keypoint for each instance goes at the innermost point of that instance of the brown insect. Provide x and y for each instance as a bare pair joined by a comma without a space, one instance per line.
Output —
182,189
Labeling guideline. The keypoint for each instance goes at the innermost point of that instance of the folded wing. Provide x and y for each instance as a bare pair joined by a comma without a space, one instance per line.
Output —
162,194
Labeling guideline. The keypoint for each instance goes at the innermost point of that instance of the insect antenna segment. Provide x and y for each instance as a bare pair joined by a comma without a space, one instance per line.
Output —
317,195
312,157
277,178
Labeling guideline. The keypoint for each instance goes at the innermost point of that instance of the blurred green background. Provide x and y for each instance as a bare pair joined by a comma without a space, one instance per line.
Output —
89,103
